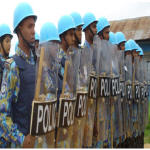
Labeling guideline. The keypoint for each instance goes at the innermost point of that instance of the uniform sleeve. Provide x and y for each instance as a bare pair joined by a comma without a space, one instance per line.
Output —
9,93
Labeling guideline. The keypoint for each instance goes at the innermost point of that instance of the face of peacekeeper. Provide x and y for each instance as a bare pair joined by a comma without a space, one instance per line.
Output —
78,32
134,53
104,34
69,37
27,29
93,28
122,46
7,44
127,53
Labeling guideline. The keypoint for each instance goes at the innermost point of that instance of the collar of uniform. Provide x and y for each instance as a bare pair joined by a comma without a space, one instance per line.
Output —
87,44
62,53
20,52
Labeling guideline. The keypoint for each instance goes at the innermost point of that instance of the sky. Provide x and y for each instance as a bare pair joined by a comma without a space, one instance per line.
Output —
52,10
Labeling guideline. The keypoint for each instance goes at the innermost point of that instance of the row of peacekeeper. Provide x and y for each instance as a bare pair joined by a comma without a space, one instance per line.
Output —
72,75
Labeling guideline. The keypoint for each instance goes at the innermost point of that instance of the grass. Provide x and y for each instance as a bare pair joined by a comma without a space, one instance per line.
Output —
147,130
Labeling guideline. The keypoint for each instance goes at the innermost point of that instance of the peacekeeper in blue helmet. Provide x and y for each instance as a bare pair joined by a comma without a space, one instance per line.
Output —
77,50
103,28
18,84
120,105
5,45
66,28
120,41
141,137
49,39
78,30
89,28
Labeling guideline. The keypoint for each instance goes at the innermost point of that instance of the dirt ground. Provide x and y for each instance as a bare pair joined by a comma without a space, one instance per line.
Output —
146,145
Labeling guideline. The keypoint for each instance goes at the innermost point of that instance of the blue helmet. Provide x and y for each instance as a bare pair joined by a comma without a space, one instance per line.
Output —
77,19
120,37
65,23
102,23
37,38
127,46
138,48
5,30
22,11
141,53
112,38
133,44
88,18
48,32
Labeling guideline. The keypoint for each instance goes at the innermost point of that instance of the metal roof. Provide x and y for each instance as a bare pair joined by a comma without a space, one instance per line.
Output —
136,28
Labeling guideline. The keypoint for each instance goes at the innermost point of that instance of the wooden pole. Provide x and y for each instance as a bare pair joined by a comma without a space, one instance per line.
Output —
39,75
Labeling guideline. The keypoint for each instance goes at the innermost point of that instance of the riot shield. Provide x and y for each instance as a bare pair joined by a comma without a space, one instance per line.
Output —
128,84
87,73
145,94
81,101
147,75
141,80
115,101
67,102
103,115
97,48
102,69
123,116
44,112
136,96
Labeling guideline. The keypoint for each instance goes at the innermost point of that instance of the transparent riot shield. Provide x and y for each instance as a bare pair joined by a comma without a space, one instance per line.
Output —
147,75
122,100
81,101
97,48
141,102
47,103
87,73
115,101
104,53
95,62
100,134
145,94
128,84
67,102
136,96
148,89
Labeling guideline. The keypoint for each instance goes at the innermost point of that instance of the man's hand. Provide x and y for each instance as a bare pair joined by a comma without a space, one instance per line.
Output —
29,141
